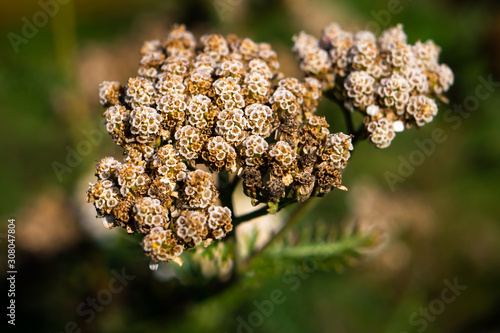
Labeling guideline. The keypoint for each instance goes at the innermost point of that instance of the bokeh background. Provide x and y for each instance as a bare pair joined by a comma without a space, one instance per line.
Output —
441,223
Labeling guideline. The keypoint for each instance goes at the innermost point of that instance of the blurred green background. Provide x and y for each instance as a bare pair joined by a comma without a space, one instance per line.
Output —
440,224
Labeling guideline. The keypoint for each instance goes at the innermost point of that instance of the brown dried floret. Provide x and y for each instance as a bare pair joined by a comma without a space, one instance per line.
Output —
306,161
219,155
304,184
168,164
172,108
140,92
179,42
327,178
138,154
289,128
252,181
315,130
261,119
163,189
162,245
121,214
132,179
105,195
145,124
117,117
201,112
219,221
189,141
107,168
253,151
110,93
149,213
336,150
199,190
232,125
274,190
191,227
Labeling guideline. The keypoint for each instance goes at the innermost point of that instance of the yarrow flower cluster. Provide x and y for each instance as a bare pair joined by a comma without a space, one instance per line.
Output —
220,104
394,84
217,104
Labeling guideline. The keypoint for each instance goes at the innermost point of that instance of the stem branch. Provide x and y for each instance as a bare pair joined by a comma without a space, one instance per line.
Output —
292,219
259,212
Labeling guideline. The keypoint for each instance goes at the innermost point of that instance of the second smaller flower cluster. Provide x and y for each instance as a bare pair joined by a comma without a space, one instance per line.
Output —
394,84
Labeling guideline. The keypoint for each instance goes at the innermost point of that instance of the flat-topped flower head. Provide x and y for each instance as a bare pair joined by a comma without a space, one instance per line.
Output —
385,72
200,109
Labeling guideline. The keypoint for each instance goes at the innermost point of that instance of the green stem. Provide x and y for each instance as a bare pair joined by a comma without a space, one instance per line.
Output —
360,133
250,216
323,250
226,191
292,219
348,119
259,212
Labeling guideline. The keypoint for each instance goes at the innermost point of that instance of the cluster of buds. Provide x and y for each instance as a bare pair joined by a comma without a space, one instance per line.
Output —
220,104
392,83
216,105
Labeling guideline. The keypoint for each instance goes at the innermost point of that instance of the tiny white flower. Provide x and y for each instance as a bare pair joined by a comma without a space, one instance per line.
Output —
372,110
398,126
